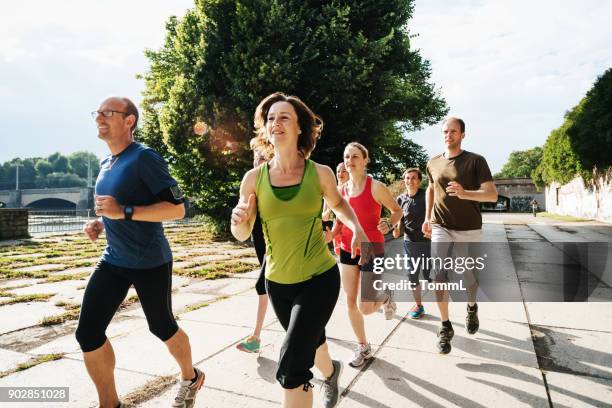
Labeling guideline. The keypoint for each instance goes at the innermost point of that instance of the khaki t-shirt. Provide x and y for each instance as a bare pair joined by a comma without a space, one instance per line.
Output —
468,169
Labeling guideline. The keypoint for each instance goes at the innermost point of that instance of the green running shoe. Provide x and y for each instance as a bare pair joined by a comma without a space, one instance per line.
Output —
250,345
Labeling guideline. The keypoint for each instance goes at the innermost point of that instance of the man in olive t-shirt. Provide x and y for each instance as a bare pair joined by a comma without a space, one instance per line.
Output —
458,181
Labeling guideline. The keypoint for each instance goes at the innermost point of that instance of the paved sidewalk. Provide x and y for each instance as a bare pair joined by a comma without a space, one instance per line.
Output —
525,354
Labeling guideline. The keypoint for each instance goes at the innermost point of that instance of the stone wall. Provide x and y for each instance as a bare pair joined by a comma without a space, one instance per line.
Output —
578,200
13,223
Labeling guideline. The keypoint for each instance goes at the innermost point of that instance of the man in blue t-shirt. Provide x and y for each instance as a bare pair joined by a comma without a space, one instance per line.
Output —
134,194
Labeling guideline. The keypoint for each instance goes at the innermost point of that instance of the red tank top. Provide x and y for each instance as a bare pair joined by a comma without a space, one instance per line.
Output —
368,212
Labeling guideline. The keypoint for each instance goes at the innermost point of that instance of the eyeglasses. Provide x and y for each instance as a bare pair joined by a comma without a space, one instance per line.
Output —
105,113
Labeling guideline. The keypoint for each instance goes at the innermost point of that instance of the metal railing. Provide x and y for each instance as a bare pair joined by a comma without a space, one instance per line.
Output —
58,220
73,220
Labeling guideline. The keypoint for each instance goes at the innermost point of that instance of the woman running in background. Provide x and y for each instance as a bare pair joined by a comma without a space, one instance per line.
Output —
252,344
367,197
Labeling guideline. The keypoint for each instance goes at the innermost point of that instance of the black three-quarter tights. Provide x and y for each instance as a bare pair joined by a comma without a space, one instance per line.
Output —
108,287
303,309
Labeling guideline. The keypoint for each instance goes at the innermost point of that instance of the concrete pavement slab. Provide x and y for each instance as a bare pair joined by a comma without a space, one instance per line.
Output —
238,379
180,301
223,287
69,373
235,377
10,359
406,378
578,391
119,327
580,315
134,350
45,267
583,352
496,341
18,282
20,315
55,287
238,311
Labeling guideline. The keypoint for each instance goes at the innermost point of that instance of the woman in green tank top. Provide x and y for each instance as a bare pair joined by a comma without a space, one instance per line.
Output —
302,277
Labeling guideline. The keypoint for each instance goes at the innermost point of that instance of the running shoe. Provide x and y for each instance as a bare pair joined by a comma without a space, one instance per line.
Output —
250,345
330,386
471,320
185,398
445,335
389,307
362,354
416,312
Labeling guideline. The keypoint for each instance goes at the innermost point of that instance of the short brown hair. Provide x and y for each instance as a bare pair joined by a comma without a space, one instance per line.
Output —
310,124
454,119
413,170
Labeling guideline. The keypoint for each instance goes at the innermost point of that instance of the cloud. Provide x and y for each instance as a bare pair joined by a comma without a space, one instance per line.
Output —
511,69
59,58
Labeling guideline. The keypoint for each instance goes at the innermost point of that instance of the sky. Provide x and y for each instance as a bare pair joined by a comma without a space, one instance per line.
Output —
510,69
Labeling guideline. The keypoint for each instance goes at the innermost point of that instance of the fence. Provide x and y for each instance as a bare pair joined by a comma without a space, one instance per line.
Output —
73,220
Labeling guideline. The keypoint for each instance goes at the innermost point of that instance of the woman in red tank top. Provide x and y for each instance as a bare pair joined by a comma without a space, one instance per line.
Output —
367,197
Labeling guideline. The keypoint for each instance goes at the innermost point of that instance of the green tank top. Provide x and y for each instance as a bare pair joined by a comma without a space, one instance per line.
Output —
295,248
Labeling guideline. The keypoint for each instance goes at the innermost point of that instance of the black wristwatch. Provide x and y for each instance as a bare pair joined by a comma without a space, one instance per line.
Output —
128,212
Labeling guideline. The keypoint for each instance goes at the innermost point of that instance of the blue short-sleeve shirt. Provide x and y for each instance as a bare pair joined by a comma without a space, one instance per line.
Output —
134,177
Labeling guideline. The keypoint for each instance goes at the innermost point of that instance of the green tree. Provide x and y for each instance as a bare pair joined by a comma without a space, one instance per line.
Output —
560,162
590,132
521,163
61,164
43,167
350,61
59,180
79,161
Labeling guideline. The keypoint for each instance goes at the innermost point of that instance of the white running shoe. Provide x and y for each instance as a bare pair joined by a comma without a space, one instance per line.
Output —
363,353
185,398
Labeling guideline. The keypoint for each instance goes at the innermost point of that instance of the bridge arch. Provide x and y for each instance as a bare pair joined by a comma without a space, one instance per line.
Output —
51,204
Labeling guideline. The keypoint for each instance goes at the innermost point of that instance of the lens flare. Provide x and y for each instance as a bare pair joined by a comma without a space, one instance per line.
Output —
200,128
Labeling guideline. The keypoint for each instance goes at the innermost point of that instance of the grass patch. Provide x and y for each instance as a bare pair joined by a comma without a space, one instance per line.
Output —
72,314
65,277
32,362
39,360
196,306
81,264
6,274
35,297
54,254
67,305
216,269
150,390
559,217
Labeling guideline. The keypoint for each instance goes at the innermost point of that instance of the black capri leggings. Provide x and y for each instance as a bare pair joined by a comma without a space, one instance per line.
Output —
108,287
260,285
303,310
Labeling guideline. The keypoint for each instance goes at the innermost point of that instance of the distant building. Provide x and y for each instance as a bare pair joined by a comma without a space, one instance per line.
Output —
515,195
